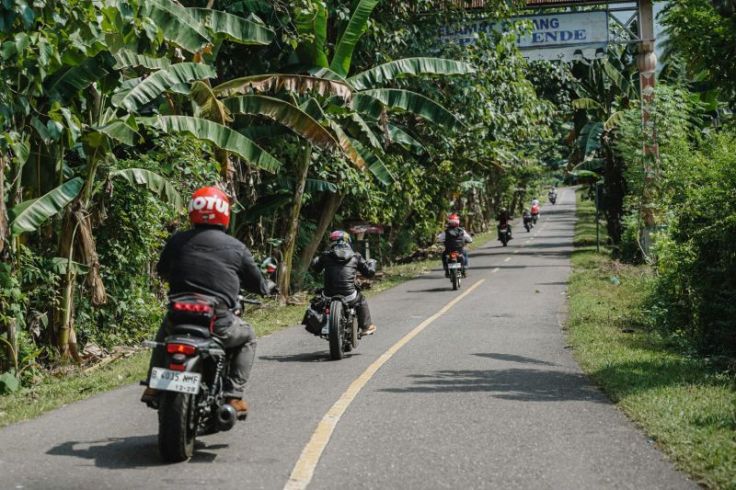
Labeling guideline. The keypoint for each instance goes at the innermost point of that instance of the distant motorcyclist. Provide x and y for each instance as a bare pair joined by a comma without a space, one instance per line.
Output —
527,217
454,239
552,195
535,209
206,260
504,221
341,266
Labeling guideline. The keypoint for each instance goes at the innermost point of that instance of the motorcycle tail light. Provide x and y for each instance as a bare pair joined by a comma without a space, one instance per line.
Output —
185,349
192,307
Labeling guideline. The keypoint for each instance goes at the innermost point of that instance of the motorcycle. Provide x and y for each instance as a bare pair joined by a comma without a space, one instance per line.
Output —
528,223
456,268
504,235
552,197
535,213
192,400
334,319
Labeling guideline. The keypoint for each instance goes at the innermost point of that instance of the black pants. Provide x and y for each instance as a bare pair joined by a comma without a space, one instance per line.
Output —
239,341
363,313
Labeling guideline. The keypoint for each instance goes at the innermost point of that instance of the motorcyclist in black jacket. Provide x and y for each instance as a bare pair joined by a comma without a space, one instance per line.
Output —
341,266
504,219
454,238
206,260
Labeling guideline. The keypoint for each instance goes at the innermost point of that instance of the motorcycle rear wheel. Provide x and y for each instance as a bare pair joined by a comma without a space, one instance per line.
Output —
337,331
176,427
455,278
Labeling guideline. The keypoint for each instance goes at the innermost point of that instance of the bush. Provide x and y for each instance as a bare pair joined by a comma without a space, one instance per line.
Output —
696,287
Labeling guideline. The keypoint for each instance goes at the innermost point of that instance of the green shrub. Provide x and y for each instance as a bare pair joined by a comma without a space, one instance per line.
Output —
696,287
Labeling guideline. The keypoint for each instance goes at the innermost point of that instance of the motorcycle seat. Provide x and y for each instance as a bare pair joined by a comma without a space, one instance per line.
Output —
193,330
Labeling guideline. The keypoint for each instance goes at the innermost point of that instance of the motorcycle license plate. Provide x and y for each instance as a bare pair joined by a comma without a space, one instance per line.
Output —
454,265
168,380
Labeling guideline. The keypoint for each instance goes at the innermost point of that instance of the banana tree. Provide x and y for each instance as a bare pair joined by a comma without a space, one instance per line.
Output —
98,98
363,115
605,91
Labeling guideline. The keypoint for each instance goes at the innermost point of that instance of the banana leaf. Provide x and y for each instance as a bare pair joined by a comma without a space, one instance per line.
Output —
176,24
355,29
283,113
217,134
403,99
153,182
163,80
408,66
29,215
235,28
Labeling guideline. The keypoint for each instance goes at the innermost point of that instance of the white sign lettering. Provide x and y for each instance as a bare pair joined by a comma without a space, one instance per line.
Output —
588,30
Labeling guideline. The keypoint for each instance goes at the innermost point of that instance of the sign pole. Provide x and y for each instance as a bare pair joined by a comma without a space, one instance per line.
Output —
647,64
597,219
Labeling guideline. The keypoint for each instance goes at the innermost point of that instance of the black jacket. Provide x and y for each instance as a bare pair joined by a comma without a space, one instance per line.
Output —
454,239
209,261
341,265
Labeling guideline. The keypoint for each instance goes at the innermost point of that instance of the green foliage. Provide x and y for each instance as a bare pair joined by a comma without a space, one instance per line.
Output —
135,227
696,288
29,215
702,38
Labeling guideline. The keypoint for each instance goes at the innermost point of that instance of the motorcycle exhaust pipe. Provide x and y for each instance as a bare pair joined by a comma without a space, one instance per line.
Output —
226,417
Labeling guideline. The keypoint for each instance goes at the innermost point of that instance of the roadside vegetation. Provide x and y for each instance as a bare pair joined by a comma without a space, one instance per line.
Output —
312,115
683,400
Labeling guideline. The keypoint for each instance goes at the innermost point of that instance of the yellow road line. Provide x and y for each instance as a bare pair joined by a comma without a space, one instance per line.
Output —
303,471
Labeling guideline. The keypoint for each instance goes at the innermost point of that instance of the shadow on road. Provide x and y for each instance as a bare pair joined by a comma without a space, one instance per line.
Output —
318,356
128,452
533,385
514,358
432,290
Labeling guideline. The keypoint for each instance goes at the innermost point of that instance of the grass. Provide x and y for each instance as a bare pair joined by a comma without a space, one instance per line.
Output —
53,392
685,403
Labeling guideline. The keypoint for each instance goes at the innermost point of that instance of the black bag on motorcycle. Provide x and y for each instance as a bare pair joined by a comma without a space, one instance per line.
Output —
314,317
193,309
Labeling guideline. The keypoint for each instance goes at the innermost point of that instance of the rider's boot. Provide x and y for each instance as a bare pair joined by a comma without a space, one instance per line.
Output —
150,397
369,330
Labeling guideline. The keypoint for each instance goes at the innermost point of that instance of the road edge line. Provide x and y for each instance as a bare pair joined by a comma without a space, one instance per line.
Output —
305,466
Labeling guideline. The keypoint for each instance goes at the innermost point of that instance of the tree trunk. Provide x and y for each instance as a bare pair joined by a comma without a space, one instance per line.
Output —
289,244
330,205
615,185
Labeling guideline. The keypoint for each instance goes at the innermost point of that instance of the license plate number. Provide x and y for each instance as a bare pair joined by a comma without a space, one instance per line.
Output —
454,265
168,380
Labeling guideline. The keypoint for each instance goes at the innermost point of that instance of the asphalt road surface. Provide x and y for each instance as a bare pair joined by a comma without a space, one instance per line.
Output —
458,389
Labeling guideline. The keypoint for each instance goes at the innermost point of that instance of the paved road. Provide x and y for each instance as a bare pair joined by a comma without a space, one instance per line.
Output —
486,395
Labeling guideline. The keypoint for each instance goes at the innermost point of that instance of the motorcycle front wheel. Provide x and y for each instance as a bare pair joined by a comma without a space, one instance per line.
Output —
337,331
455,278
176,427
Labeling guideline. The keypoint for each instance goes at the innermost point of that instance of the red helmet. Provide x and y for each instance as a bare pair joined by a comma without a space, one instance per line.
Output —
209,206
453,221
339,236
